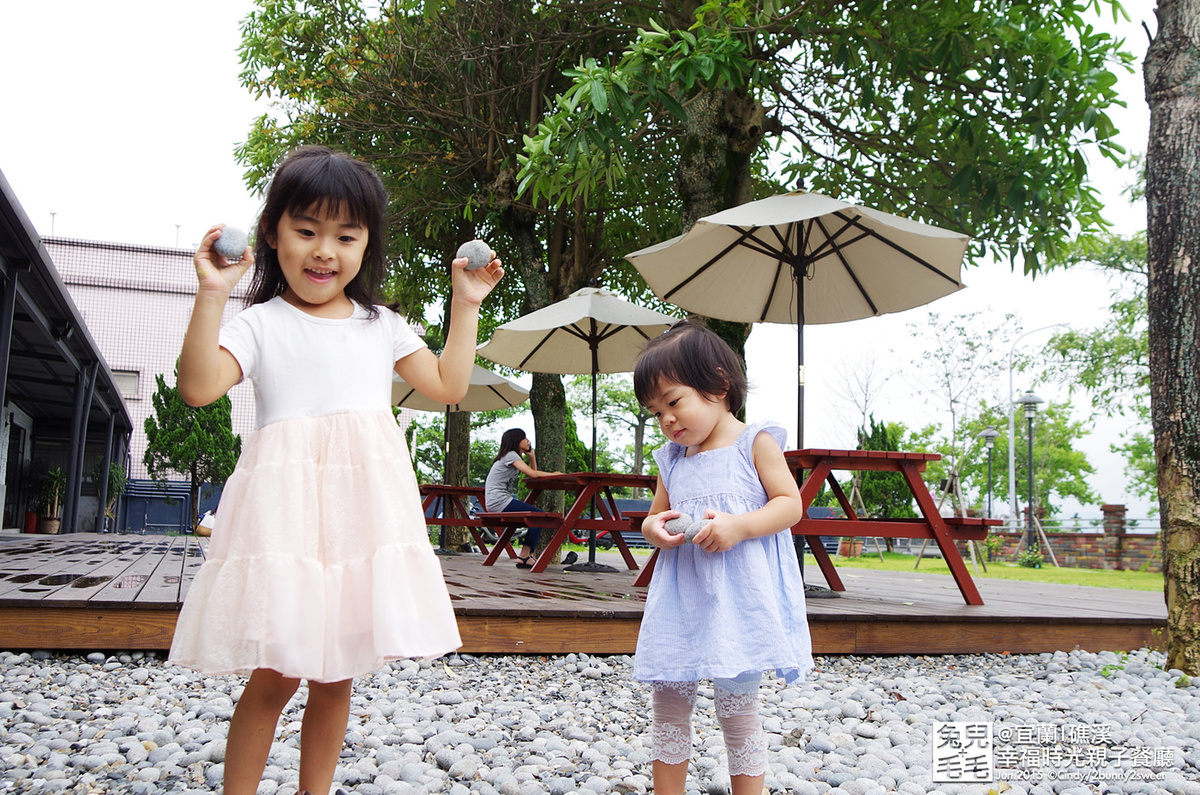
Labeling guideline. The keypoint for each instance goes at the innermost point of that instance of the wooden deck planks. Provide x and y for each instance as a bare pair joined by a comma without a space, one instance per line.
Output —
124,592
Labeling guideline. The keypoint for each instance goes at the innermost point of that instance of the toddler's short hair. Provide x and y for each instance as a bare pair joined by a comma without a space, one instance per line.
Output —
691,354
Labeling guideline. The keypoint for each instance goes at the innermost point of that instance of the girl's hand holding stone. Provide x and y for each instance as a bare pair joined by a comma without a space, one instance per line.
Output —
473,285
215,273
723,532
656,533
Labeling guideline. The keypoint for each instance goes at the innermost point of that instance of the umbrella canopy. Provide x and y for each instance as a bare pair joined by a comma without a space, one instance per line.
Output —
589,331
487,392
803,258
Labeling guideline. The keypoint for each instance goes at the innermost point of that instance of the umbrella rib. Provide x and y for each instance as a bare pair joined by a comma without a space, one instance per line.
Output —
845,264
763,246
407,395
709,264
498,394
898,247
536,348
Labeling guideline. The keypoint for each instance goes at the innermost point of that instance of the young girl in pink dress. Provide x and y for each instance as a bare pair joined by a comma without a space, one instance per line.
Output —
319,567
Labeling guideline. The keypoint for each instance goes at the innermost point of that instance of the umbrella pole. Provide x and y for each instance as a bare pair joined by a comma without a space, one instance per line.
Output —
591,564
441,547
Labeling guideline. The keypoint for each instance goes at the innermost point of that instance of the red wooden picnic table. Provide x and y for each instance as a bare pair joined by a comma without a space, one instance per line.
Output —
820,465
944,530
591,489
455,511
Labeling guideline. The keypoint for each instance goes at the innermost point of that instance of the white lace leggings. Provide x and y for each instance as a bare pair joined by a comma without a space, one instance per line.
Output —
737,713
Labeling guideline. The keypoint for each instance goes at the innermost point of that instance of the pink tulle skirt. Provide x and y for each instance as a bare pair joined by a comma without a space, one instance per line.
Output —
319,565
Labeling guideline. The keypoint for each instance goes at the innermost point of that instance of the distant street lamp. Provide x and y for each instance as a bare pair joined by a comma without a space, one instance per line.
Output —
1012,463
1030,401
989,438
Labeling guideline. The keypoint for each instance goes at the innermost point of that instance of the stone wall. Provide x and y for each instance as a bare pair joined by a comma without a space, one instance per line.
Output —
1112,549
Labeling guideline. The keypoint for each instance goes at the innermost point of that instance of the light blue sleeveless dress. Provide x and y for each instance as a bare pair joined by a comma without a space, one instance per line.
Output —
717,615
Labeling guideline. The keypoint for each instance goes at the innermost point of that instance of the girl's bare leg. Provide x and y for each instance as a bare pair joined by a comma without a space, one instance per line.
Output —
671,779
323,733
252,729
746,785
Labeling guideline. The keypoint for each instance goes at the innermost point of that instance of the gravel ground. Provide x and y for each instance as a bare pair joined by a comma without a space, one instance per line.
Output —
131,723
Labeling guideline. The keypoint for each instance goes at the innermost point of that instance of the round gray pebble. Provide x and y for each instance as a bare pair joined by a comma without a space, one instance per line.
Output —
695,527
679,524
478,254
231,243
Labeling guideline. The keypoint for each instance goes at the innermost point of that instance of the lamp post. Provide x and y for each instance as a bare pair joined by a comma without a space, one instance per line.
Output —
1030,401
1012,462
989,438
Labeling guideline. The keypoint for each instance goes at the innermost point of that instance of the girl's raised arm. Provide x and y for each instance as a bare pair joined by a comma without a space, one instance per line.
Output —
206,370
531,472
445,378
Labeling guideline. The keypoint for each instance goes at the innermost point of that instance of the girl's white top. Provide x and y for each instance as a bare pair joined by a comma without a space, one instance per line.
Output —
356,368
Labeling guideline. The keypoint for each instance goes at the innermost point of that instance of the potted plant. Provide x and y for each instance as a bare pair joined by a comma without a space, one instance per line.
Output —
53,486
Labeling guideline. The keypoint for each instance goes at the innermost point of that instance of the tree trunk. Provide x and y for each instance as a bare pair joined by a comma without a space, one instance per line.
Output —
458,464
722,131
1172,77
548,403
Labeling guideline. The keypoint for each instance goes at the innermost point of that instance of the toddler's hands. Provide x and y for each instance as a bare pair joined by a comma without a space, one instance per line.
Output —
722,534
474,286
214,272
657,535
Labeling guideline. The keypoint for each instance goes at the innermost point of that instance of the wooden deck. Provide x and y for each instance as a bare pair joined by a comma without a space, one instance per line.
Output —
88,591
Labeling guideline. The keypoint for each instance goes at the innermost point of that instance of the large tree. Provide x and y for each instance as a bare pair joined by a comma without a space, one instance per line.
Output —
968,115
1172,77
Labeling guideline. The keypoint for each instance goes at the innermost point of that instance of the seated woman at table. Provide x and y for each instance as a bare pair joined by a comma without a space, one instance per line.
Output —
500,489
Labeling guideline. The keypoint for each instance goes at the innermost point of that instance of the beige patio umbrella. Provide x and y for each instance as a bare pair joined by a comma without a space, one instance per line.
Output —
486,392
590,331
803,258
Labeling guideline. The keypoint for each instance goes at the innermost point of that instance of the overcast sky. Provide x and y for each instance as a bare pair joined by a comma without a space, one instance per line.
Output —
120,121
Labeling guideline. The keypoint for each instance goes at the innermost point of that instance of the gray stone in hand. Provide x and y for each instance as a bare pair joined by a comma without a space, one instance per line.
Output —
230,244
478,254
696,527
686,525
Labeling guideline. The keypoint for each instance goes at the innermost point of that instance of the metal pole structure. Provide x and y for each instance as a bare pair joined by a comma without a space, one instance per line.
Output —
989,481
1030,401
1030,536
989,438
1012,461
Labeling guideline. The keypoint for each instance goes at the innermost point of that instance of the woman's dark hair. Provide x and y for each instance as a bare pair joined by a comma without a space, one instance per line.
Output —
691,354
510,442
318,180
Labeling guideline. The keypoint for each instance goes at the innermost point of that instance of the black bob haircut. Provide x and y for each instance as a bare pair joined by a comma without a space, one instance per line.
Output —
691,354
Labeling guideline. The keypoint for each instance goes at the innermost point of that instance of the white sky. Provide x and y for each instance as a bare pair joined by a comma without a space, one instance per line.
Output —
120,121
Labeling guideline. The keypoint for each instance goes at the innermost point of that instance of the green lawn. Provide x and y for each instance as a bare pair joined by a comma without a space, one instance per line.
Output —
1102,578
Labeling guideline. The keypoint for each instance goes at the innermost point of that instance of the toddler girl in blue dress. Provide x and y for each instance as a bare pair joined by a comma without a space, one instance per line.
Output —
729,604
